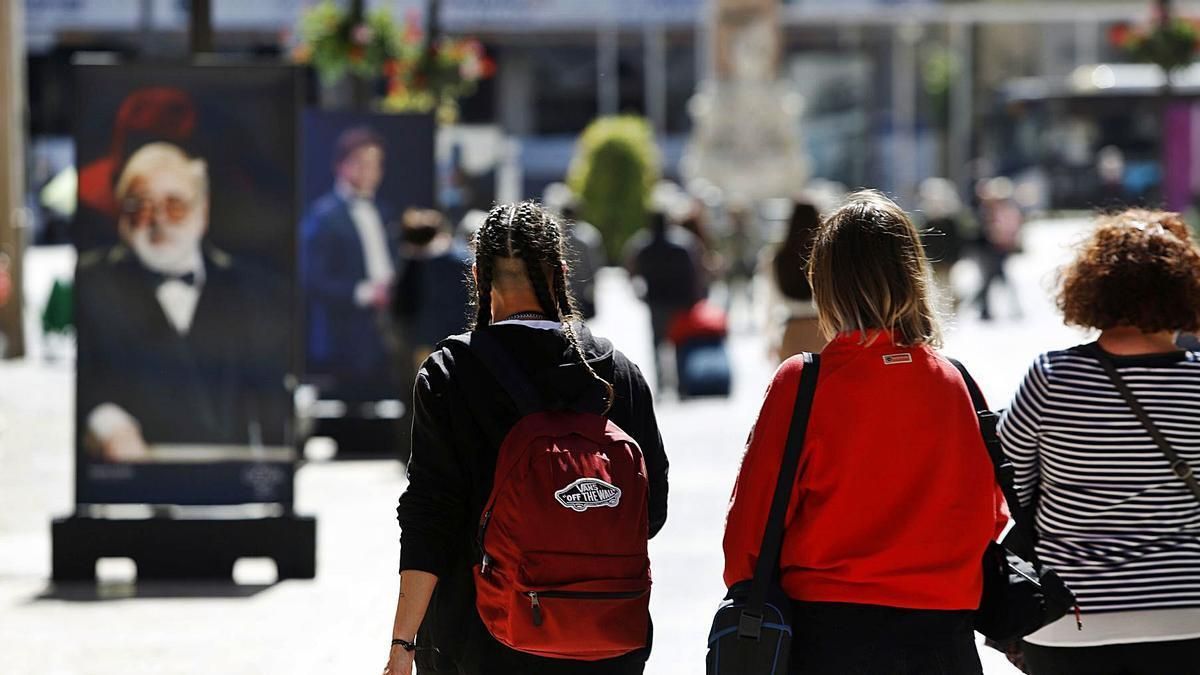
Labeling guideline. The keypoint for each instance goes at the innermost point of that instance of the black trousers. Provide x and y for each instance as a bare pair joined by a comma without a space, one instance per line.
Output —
660,322
1175,657
483,655
849,639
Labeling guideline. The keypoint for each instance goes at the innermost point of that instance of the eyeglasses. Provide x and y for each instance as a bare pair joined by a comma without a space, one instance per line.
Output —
171,210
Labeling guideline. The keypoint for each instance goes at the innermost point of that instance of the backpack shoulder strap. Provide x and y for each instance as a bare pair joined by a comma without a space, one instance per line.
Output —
1022,542
766,570
503,368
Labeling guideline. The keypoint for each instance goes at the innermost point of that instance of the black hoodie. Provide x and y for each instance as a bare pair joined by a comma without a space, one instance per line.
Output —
461,415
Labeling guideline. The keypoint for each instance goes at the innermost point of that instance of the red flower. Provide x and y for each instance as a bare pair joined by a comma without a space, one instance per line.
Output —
1119,35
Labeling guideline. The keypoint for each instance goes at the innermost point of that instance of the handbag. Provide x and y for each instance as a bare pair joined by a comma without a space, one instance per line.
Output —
1179,466
1020,594
752,630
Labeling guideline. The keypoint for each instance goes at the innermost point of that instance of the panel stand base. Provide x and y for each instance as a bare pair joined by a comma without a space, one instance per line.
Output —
176,549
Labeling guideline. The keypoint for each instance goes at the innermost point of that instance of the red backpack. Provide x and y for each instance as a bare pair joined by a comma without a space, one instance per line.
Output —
564,571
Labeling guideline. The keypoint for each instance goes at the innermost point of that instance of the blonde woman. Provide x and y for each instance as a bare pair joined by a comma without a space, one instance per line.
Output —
895,499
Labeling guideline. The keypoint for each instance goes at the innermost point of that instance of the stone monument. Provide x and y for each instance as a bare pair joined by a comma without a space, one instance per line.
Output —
746,120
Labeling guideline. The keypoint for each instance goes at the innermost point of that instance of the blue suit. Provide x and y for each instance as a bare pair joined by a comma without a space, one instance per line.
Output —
345,340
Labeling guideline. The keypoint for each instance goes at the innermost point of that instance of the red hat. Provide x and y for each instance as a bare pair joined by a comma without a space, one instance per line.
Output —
162,113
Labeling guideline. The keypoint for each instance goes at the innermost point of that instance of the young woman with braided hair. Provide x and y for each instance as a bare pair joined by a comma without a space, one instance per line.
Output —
461,416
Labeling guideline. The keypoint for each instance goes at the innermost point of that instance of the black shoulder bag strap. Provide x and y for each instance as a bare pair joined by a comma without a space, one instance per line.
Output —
1179,465
503,368
1022,543
767,569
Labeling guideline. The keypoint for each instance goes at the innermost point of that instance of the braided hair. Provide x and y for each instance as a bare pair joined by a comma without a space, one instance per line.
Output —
527,232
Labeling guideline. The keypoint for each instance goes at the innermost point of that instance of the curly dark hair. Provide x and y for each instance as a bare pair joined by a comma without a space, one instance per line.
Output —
527,232
1139,268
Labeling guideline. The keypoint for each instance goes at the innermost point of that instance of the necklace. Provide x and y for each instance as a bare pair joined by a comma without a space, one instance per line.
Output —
527,316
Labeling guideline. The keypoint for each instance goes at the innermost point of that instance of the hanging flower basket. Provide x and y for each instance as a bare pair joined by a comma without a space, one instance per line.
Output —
417,78
336,46
1170,47
449,71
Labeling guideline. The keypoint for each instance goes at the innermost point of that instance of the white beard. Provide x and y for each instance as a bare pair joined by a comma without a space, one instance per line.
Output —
177,255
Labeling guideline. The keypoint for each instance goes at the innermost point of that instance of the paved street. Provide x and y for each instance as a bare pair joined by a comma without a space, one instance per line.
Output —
339,623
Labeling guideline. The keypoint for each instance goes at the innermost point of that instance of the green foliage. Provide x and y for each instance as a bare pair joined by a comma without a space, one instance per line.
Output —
615,168
58,316
419,77
939,68
333,43
1170,47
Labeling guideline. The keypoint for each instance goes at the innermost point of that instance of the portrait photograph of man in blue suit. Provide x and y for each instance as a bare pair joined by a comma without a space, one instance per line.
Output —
349,268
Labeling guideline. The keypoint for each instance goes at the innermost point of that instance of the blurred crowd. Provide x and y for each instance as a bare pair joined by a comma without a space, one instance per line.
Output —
702,267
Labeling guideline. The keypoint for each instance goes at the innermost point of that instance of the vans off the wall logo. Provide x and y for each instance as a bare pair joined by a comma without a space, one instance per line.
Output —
588,493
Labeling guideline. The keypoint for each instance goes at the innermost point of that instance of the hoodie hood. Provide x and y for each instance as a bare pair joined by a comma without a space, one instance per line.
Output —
556,369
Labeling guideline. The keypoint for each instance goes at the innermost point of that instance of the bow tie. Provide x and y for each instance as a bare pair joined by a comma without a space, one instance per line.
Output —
188,278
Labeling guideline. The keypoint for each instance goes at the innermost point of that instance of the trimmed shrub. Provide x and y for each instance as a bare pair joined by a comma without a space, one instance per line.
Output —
615,167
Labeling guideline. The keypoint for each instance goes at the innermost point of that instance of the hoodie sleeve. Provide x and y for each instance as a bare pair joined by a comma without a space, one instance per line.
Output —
433,508
646,433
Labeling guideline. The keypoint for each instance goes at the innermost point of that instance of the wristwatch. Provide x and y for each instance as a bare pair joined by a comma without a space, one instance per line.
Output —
408,646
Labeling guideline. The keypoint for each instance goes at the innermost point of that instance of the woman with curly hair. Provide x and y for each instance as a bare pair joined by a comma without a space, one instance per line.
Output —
1113,515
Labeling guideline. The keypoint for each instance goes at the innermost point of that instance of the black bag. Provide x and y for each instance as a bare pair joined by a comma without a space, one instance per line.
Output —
1020,595
752,630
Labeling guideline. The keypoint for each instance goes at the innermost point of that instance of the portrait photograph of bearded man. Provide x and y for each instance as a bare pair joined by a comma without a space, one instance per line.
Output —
184,340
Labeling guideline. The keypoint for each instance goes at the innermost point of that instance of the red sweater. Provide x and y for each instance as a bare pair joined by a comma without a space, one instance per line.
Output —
896,498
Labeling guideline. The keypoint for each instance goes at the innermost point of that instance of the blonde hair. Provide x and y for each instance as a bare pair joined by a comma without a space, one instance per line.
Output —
154,157
869,273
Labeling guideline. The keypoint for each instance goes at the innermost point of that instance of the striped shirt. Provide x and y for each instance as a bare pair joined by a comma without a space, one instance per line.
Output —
1111,516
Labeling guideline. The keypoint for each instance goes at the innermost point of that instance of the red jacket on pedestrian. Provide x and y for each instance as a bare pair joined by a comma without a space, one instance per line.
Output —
896,498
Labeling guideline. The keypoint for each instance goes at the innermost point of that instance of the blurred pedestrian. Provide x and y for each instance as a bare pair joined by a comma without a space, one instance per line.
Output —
791,314
465,421
585,246
942,235
741,257
432,295
896,499
5,293
1110,172
711,264
1114,516
663,260
5,279
585,249
1000,237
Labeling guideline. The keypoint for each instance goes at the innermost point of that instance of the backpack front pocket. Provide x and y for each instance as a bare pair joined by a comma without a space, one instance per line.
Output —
589,620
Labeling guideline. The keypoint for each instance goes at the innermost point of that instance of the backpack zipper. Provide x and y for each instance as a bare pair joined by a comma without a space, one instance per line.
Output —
535,603
485,565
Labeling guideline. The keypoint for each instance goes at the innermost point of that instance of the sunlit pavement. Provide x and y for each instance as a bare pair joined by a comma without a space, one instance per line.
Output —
340,622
